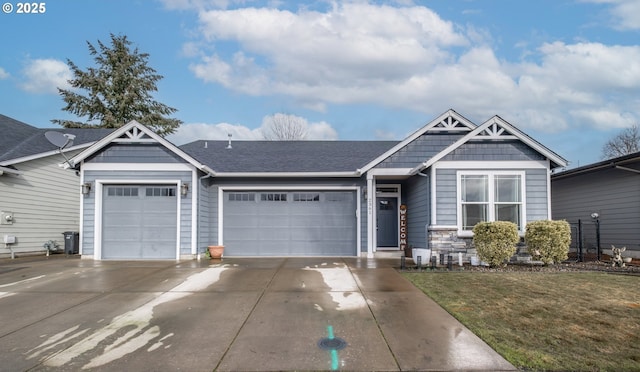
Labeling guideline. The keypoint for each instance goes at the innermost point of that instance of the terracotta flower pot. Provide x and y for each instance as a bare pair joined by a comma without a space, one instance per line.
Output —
216,251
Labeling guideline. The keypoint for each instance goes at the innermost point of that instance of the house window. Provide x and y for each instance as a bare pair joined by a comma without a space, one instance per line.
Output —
160,191
122,191
490,196
242,196
306,197
273,197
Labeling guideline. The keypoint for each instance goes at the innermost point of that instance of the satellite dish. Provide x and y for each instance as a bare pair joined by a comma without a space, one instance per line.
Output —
60,140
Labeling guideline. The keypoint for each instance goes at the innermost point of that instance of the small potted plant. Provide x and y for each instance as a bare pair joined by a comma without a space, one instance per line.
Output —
215,251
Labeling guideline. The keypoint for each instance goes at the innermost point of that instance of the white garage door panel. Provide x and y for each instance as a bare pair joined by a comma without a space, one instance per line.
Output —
289,223
139,222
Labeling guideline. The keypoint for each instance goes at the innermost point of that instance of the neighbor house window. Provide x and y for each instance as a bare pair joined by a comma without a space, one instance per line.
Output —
490,196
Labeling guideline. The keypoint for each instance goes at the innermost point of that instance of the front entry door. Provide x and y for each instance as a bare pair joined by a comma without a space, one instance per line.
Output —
387,215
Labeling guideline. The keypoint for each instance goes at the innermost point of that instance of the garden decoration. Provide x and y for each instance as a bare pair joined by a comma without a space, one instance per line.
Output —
616,258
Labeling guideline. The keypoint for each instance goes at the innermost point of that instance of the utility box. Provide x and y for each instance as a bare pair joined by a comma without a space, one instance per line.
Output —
71,242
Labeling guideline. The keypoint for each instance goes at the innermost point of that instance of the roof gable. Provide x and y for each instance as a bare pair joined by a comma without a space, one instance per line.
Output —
135,133
449,121
493,129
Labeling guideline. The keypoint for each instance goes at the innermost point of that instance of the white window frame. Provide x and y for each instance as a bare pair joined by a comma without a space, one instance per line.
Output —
491,175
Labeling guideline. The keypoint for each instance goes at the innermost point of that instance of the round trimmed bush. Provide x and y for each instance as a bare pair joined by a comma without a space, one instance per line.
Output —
548,241
495,241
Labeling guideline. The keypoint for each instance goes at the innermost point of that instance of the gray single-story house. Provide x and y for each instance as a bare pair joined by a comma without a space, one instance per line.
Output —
608,190
146,198
39,200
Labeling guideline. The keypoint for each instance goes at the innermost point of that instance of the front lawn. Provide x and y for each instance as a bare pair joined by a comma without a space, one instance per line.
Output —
564,321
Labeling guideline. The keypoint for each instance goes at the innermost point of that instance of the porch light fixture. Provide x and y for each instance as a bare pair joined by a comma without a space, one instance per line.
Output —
184,189
86,188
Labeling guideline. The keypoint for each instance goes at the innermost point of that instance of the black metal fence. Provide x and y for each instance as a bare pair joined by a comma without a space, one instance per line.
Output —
585,241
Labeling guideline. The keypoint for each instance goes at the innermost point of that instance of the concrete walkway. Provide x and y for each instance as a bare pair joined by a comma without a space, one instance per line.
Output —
231,315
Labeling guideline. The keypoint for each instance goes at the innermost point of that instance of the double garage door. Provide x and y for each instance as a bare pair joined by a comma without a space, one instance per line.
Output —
289,223
139,222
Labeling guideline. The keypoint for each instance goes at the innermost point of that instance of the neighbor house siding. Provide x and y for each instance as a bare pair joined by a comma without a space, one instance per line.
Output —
419,150
612,193
142,176
45,202
417,201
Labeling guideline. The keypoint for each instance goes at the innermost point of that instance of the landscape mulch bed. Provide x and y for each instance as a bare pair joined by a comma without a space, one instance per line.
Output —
569,266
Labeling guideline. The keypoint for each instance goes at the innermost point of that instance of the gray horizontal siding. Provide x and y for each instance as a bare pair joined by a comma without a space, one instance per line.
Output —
88,236
419,150
446,195
614,194
152,153
536,194
490,151
417,201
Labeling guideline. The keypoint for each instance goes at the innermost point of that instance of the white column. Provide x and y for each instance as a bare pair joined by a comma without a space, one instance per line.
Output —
371,218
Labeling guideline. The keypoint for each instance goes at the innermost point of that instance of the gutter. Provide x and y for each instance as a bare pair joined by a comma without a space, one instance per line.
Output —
287,174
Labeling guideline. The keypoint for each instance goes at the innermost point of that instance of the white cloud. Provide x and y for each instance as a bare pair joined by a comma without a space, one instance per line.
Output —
3,74
201,131
45,76
624,13
411,58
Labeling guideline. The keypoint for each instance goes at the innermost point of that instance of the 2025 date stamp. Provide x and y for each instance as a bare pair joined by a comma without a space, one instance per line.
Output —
24,8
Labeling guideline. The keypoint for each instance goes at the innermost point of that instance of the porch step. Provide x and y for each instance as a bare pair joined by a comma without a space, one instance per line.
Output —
388,254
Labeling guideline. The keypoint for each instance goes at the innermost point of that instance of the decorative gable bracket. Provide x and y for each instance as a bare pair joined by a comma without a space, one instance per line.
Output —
495,131
450,124
134,135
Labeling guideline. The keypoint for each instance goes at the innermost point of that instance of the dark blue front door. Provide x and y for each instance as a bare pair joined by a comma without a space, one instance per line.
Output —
387,215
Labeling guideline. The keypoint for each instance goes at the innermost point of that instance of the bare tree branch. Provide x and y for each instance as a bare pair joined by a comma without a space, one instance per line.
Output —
284,127
626,142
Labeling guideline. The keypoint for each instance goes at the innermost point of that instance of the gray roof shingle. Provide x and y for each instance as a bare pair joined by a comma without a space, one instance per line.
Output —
286,156
20,140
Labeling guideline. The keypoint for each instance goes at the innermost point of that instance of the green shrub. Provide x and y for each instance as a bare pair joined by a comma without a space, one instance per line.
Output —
548,240
495,241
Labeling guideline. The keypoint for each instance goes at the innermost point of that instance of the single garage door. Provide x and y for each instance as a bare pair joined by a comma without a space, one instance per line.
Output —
139,222
289,223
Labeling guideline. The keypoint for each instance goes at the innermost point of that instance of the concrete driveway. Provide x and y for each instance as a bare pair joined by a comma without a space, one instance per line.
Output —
67,314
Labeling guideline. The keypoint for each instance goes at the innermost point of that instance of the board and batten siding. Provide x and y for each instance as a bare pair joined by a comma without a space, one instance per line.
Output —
537,206
88,235
45,201
612,193
417,201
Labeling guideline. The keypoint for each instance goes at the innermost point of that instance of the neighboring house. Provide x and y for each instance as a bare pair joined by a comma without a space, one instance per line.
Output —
39,200
150,199
610,188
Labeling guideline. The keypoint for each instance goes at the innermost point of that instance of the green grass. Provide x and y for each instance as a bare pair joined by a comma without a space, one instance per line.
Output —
584,321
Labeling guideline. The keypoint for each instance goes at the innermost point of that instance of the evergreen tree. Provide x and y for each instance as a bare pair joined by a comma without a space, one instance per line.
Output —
117,90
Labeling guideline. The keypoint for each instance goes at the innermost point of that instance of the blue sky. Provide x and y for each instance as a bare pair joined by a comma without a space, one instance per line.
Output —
566,72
